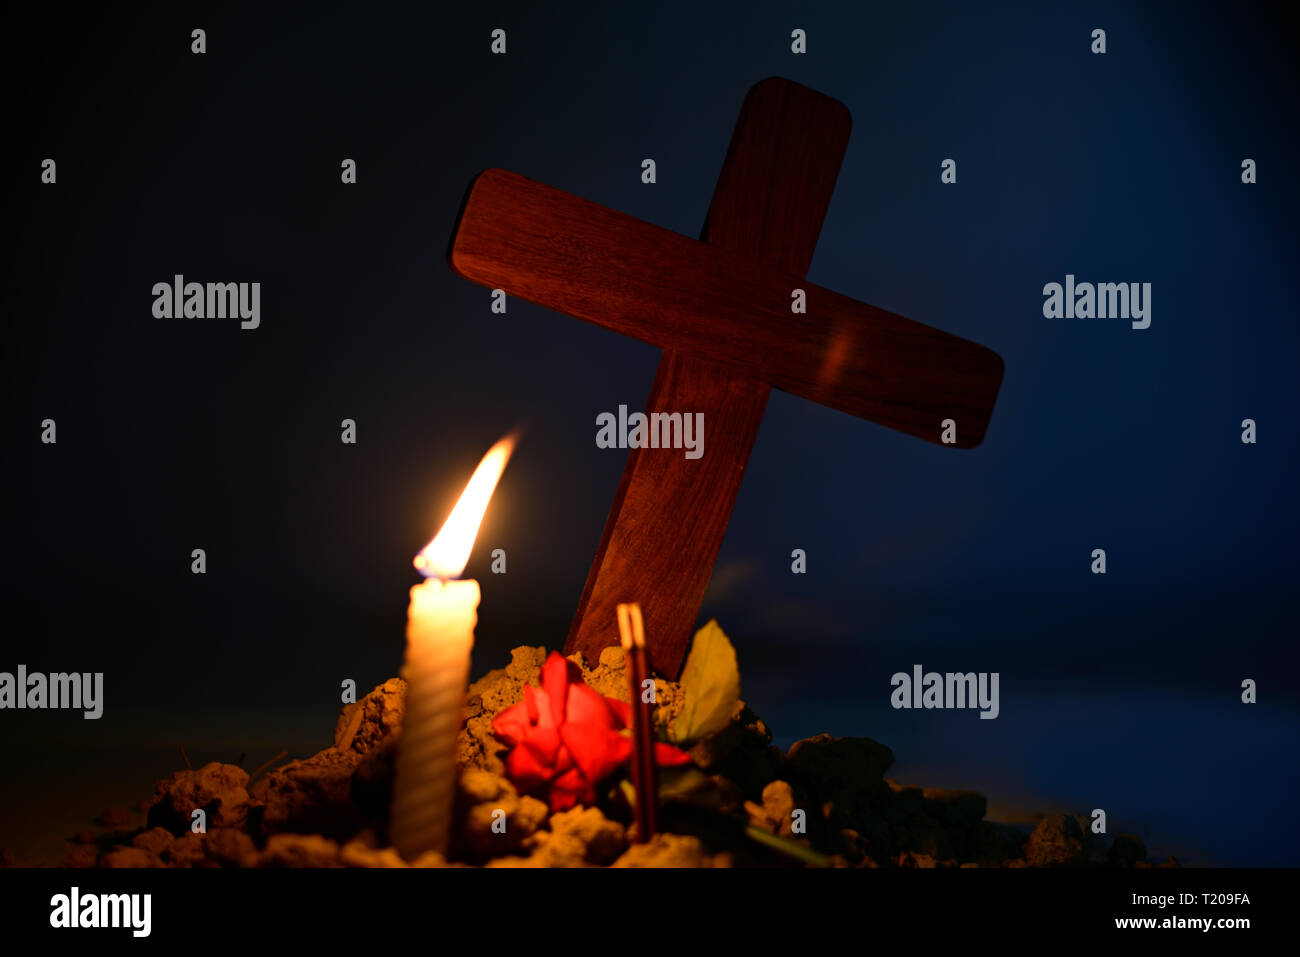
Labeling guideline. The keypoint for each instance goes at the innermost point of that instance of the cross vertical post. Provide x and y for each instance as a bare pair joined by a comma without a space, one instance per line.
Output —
667,522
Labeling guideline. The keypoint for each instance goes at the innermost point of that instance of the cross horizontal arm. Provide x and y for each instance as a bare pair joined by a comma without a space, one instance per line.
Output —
577,257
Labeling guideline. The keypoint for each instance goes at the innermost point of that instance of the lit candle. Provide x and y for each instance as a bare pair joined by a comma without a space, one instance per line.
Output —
439,636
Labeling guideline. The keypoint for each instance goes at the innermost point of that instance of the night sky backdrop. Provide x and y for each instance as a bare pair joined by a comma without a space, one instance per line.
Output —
1119,691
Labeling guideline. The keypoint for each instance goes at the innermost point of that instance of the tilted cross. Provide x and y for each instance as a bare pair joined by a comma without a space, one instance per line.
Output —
721,309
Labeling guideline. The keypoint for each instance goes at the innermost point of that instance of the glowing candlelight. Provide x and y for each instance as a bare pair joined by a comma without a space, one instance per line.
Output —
439,637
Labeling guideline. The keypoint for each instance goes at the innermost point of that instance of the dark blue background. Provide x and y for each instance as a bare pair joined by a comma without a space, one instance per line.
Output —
1119,692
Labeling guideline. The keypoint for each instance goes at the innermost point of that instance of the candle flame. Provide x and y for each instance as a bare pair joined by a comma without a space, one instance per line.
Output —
448,553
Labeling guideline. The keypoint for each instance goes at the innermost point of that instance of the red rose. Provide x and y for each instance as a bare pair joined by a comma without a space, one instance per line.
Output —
564,739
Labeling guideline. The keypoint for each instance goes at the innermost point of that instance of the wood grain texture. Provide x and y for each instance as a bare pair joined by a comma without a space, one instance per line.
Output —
778,176
721,310
669,517
577,257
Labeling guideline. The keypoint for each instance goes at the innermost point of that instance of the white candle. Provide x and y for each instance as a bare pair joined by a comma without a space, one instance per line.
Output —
439,637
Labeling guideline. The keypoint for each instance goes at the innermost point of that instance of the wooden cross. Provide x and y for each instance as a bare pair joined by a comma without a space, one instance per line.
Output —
721,309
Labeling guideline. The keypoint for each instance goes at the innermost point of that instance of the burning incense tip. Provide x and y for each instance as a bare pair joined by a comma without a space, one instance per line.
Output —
631,627
631,632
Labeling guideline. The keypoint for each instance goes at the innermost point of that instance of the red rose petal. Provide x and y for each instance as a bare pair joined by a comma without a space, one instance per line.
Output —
570,789
543,742
587,707
595,750
622,713
525,770
563,760
555,682
565,737
539,708
668,756
512,724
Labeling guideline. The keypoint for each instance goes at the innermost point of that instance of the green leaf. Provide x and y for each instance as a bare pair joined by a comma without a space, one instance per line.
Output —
710,686
686,785
786,846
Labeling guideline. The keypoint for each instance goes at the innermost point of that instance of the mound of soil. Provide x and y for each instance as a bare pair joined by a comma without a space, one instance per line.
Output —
825,801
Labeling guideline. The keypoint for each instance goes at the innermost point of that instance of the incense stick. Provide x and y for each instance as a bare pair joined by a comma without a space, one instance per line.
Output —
631,629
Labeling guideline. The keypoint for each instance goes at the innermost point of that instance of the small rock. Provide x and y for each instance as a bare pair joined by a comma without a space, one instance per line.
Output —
905,794
731,798
917,832
715,748
856,848
609,675
776,812
666,850
227,847
481,835
478,747
349,722
990,844
378,716
1126,851
218,789
357,854
83,855
958,809
372,784
871,836
845,772
741,751
299,850
834,762
116,816
430,859
1057,841
478,785
120,857
155,840
312,796
525,663
186,851
545,849
480,796
602,840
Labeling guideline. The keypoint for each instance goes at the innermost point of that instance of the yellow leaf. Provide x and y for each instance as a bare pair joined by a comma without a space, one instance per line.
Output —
710,686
